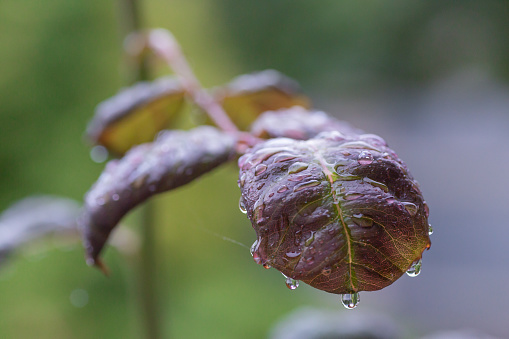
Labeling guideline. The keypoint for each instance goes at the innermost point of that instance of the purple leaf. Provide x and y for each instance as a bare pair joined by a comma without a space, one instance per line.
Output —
298,123
341,213
174,159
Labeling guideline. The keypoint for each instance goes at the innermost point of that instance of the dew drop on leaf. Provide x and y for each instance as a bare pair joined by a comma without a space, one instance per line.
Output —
282,189
307,184
350,301
242,207
291,283
297,167
362,221
430,229
365,158
260,169
415,268
411,208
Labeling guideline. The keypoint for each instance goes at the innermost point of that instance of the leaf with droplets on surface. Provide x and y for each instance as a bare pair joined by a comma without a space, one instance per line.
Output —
34,217
174,159
249,95
340,213
136,114
298,123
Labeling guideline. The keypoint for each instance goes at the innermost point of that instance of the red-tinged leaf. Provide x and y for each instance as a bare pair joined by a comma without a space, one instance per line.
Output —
136,114
35,217
174,159
342,214
298,123
249,95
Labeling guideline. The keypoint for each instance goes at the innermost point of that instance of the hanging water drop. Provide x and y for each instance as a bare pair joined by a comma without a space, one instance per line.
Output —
430,229
350,301
242,206
291,283
365,158
415,268
266,266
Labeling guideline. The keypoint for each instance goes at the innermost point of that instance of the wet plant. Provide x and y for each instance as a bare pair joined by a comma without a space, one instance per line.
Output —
332,206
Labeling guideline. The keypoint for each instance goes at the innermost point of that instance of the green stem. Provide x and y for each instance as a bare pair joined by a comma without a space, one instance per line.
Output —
130,17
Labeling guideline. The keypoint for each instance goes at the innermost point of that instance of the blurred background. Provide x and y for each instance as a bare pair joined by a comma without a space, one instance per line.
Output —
431,77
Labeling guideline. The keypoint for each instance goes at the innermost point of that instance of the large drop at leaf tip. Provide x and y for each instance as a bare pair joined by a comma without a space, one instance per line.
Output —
350,301
415,269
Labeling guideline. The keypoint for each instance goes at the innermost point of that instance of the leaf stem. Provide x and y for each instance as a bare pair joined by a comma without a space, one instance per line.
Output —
163,43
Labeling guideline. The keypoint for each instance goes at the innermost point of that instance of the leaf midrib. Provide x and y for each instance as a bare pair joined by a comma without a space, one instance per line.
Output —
330,178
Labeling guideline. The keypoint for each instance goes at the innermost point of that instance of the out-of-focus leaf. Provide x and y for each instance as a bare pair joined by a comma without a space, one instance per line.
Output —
35,217
249,95
175,158
342,214
298,123
136,114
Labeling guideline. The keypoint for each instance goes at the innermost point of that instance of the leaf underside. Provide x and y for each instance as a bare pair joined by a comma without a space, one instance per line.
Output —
249,95
341,213
174,159
298,123
136,114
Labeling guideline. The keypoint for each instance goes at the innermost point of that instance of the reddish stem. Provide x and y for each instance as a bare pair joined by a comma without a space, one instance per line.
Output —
166,46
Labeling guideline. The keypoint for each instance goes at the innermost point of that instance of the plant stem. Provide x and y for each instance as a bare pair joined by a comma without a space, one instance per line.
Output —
131,19
166,46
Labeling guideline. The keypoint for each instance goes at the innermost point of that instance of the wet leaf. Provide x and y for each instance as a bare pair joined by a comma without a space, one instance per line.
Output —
249,95
298,123
174,159
35,217
136,114
342,214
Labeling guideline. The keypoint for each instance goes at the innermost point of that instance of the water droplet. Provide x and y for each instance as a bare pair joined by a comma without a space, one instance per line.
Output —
297,167
115,197
430,229
365,158
307,184
261,168
291,283
266,266
283,158
415,268
260,186
411,208
292,254
242,180
79,298
282,189
362,221
350,301
346,153
99,154
297,177
242,206
380,185
353,196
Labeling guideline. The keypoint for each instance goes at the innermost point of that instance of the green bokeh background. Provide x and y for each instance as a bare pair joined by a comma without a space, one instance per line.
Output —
59,58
